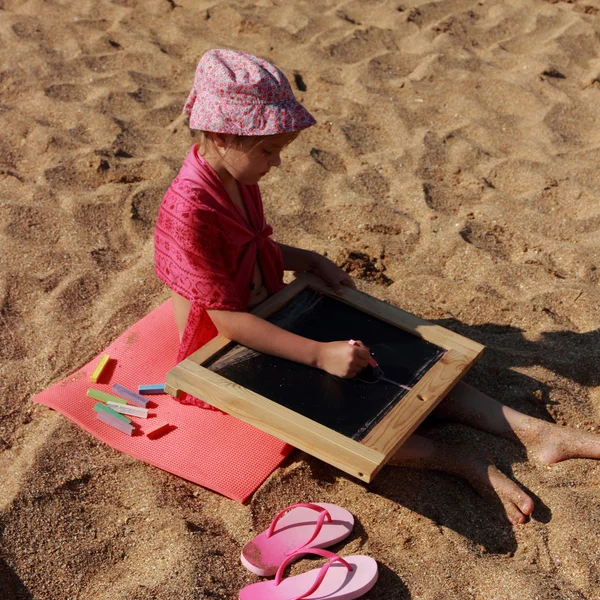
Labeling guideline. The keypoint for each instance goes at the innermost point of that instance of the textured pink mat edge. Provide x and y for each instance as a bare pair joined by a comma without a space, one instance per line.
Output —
206,447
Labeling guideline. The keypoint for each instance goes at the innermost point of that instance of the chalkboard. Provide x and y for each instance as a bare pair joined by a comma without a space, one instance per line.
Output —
349,406
353,424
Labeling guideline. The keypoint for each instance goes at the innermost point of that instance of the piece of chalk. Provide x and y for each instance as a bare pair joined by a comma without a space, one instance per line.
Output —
154,388
124,409
99,368
99,407
110,420
157,430
372,361
129,395
104,397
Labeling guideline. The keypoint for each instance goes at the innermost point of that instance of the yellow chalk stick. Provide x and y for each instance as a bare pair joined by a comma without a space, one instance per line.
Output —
99,368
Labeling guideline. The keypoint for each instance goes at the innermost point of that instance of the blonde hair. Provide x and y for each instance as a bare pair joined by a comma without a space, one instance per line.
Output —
234,141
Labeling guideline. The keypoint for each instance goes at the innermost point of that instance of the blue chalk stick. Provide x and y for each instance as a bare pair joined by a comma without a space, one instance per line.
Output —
129,395
155,388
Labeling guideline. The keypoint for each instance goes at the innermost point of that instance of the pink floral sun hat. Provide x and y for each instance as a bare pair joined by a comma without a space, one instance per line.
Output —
238,93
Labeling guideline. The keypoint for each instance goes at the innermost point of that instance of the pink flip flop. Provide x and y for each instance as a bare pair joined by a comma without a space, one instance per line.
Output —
294,528
338,579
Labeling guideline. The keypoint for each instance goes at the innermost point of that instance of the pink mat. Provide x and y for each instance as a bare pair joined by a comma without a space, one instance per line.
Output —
207,447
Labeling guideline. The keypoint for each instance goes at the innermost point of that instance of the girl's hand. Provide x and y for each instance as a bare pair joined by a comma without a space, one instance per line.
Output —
343,359
330,273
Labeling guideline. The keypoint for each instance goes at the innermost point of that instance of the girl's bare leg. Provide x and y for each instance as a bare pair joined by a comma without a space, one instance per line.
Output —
547,442
488,481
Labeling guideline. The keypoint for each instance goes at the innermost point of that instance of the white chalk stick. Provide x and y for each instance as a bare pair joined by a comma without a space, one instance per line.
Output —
124,409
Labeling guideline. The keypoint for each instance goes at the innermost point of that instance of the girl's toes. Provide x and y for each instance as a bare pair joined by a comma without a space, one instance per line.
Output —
525,504
514,515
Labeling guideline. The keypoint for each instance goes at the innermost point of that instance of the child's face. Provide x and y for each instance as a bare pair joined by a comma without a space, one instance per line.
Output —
249,161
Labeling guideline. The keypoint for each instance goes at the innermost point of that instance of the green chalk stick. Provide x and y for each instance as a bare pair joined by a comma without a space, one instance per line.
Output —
104,397
99,407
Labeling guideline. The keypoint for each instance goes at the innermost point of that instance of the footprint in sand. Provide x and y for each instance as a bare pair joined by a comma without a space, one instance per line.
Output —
452,170
12,345
362,138
28,28
66,92
26,223
330,161
104,167
490,237
144,208
389,66
370,183
75,298
363,44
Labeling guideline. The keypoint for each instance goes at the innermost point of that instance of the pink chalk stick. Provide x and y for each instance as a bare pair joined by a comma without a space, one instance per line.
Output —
116,423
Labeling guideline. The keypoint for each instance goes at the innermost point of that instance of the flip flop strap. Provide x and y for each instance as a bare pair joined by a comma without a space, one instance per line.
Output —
324,515
322,572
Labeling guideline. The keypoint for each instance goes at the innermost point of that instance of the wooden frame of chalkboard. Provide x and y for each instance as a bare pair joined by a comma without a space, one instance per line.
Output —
363,457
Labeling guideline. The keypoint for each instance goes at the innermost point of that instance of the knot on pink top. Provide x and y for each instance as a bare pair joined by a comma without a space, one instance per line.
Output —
263,236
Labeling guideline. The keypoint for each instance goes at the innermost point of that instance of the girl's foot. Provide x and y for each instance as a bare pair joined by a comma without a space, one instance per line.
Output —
551,443
493,485
484,477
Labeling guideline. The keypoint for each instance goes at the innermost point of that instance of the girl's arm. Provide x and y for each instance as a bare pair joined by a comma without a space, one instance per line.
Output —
298,259
337,358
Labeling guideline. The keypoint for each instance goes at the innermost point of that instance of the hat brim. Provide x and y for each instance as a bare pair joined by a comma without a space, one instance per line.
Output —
208,113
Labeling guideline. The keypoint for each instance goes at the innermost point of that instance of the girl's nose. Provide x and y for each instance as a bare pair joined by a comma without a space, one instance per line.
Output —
274,160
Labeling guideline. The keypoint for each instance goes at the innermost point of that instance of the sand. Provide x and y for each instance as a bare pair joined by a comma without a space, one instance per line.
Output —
453,171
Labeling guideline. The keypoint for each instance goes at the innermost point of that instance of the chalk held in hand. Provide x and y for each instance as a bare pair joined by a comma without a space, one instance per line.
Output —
129,395
99,368
378,371
153,388
372,362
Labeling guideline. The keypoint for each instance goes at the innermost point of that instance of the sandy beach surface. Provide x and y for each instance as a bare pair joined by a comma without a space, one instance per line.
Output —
453,171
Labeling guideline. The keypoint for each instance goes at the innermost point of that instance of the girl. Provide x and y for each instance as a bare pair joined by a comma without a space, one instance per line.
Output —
214,251
212,244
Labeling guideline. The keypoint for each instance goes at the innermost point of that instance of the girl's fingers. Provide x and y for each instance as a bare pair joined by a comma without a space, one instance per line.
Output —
348,281
361,357
337,285
363,361
362,350
336,277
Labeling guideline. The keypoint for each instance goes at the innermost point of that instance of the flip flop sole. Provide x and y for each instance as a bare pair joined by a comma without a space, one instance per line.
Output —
263,555
338,583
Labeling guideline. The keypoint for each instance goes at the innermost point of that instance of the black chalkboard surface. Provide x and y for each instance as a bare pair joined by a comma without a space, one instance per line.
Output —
351,407
354,425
